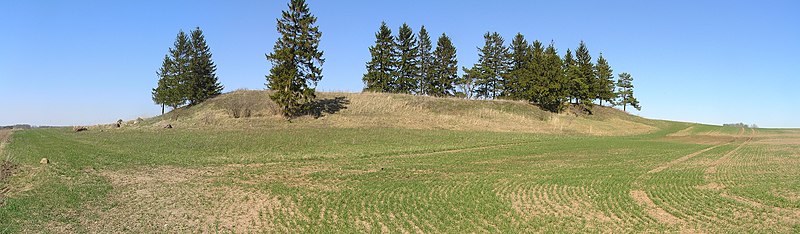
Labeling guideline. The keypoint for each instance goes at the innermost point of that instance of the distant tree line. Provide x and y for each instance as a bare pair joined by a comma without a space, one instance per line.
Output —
17,126
740,125
187,75
522,71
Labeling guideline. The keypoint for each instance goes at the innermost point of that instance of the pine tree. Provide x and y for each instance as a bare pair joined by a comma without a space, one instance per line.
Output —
296,59
381,68
203,81
586,79
408,60
520,76
604,85
493,65
625,93
445,67
182,65
554,94
168,92
174,74
159,93
425,62
573,83
536,85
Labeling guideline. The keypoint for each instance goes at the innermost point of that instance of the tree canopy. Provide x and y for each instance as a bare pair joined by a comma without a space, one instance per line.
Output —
625,92
187,73
381,69
520,71
493,66
445,68
296,59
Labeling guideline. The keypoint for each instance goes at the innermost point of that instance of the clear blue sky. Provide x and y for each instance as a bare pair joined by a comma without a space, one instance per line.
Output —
87,62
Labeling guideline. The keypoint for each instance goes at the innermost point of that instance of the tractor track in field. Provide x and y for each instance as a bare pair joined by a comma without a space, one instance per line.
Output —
682,159
712,169
655,211
458,150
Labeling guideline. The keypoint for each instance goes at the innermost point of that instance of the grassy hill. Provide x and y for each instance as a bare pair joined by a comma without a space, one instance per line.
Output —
359,110
401,164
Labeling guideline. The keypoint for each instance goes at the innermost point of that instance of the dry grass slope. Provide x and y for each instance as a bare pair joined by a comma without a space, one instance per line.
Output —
254,109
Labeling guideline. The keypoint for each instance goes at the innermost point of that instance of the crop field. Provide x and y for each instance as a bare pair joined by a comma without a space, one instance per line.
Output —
681,178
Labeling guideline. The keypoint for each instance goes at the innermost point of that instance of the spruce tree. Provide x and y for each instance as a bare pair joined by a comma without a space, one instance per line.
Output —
203,81
296,59
174,74
536,85
445,67
520,76
604,85
425,62
159,93
408,60
182,65
586,79
554,95
168,91
381,68
493,65
625,93
573,83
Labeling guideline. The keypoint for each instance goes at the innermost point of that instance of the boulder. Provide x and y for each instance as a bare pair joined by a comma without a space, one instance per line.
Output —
168,126
79,128
44,161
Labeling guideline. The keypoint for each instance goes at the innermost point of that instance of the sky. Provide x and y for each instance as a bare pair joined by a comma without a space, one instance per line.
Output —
89,62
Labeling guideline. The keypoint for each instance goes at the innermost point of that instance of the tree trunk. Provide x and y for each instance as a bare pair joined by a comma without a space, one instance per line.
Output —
162,109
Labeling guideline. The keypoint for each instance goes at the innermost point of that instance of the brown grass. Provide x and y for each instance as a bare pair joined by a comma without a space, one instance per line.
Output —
405,111
186,200
6,167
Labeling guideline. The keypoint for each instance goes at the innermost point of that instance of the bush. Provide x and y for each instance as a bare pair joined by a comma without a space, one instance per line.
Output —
243,104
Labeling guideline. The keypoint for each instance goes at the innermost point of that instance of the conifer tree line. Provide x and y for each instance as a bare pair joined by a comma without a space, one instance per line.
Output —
408,63
187,75
523,70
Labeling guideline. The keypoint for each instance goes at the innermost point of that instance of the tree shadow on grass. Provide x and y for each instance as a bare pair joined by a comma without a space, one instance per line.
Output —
319,108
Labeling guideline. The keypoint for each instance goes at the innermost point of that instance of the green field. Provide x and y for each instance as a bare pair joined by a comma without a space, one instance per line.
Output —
682,178
401,163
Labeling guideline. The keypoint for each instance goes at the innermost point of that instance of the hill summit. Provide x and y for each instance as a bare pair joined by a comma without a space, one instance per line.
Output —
254,109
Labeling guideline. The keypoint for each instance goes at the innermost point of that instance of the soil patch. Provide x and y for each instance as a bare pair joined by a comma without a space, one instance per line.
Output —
172,199
652,209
